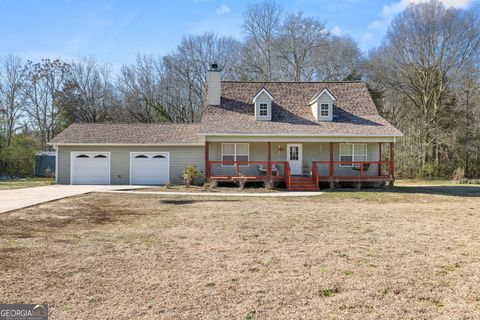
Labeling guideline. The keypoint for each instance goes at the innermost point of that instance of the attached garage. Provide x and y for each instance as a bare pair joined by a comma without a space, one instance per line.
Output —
127,153
90,167
149,168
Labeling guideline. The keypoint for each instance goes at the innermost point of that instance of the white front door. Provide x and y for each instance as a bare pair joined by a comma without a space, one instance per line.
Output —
295,158
149,168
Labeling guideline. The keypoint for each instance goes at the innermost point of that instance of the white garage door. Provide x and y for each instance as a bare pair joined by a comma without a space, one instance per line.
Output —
149,168
90,167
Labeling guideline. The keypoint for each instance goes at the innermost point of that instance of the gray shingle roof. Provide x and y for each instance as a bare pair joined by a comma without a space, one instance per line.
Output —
129,133
354,111
354,114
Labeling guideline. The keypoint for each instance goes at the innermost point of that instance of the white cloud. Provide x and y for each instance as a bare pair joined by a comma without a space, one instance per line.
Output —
395,8
391,10
367,37
336,31
223,9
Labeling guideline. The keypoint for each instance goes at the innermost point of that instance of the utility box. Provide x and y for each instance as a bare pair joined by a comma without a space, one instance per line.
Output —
45,164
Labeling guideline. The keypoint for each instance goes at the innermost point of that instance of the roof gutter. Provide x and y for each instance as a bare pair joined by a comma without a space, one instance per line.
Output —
302,135
126,144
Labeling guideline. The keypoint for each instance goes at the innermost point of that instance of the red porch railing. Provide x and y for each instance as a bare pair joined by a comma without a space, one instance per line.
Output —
361,176
288,176
314,171
238,170
385,169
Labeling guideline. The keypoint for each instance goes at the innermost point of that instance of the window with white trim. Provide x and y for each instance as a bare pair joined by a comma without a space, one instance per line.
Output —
235,152
360,152
324,110
352,152
263,110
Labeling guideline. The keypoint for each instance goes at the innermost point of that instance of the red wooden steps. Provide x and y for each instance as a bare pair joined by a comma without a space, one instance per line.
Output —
302,184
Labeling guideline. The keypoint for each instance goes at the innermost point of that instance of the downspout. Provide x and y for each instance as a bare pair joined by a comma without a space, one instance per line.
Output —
56,162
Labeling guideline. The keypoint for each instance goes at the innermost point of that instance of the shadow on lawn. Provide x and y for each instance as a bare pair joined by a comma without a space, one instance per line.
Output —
457,191
180,202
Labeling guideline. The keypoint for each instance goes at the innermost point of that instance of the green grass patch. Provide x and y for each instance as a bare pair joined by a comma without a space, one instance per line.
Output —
426,182
25,183
329,292
404,191
251,315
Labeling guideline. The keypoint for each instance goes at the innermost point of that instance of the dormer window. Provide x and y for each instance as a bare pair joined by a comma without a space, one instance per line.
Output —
262,102
322,105
263,110
324,110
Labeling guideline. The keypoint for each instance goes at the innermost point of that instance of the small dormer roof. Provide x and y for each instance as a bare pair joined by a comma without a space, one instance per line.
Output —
263,90
318,95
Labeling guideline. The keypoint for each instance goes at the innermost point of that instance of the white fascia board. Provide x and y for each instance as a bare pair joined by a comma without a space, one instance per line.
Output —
320,94
130,144
303,135
260,92
303,139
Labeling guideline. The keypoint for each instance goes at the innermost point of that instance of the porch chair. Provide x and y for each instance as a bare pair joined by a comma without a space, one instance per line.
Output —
263,169
356,166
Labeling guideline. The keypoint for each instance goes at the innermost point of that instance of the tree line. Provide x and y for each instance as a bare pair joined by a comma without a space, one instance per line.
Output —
424,78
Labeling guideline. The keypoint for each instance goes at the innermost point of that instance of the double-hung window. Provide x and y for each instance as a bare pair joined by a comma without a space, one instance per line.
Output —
324,110
352,152
235,152
360,152
263,110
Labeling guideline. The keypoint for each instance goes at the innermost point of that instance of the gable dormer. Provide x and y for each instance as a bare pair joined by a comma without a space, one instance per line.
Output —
322,105
262,102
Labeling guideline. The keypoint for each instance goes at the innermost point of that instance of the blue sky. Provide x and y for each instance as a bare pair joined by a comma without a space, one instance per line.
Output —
116,30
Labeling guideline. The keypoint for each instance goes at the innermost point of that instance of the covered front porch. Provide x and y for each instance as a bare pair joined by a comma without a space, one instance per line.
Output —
300,165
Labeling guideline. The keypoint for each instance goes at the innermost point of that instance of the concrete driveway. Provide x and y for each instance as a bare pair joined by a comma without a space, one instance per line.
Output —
20,198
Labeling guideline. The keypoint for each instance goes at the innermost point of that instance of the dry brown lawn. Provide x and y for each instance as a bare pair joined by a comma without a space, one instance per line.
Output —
410,254
226,188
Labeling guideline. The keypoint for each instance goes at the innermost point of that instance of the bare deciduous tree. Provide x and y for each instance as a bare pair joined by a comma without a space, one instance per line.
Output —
337,58
44,82
88,95
172,88
11,96
261,26
139,89
185,72
299,38
425,51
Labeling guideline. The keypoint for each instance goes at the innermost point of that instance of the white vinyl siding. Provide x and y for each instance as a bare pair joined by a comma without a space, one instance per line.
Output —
352,152
235,152
322,107
263,107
